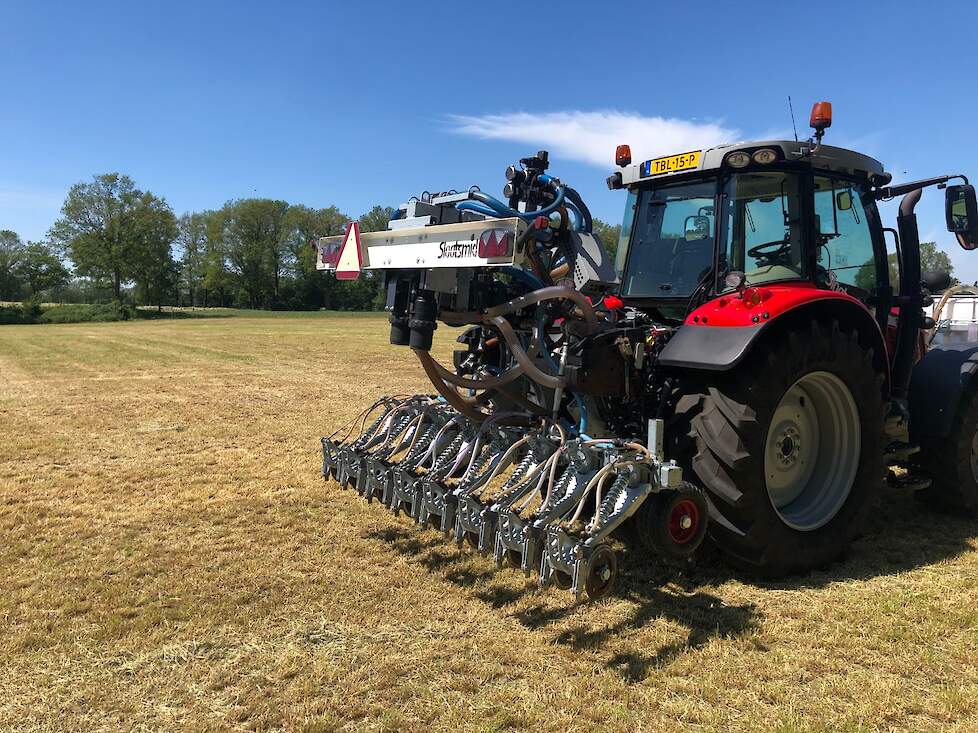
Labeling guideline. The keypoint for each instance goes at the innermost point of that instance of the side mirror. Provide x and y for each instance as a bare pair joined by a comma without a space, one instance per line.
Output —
936,280
843,201
696,228
961,210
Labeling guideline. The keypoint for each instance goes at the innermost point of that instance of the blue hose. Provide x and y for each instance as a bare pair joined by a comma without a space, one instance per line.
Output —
577,219
479,208
582,428
495,207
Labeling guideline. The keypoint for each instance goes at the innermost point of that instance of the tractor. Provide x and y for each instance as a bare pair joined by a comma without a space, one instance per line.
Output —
745,368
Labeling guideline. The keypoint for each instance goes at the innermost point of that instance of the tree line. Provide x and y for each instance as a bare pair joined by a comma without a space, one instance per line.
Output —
116,242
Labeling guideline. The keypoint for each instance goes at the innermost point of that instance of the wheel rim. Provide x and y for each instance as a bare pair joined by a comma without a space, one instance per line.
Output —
812,450
562,580
602,568
684,521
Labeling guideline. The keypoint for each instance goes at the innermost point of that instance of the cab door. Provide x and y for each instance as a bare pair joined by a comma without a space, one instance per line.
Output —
850,252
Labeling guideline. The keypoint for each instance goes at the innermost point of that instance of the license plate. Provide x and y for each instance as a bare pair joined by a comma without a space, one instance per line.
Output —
671,163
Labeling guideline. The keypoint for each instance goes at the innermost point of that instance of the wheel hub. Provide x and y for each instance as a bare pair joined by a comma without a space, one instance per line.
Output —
683,521
789,444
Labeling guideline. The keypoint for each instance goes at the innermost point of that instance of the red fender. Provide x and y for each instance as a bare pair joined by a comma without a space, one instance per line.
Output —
756,305
719,333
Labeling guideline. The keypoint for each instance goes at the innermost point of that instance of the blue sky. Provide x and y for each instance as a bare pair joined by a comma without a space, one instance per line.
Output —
360,103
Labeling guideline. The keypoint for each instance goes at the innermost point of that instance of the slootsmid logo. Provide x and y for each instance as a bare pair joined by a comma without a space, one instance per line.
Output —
456,250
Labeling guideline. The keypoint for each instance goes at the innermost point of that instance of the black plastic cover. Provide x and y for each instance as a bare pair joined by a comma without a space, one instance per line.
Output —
936,385
715,348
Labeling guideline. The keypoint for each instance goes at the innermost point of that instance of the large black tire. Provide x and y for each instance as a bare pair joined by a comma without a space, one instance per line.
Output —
948,460
722,432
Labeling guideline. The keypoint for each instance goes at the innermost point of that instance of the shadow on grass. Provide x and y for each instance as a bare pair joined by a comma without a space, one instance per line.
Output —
685,602
902,534
657,591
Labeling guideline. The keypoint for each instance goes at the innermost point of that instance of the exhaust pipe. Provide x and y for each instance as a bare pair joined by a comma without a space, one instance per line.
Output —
910,297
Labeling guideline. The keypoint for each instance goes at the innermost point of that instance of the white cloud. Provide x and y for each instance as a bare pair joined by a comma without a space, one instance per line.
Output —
591,137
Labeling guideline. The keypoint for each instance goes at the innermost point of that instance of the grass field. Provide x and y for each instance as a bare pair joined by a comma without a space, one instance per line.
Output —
170,559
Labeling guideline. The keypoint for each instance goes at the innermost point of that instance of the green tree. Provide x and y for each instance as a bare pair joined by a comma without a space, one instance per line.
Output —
304,226
41,269
95,228
377,219
11,250
932,259
218,278
255,246
153,231
192,248
608,235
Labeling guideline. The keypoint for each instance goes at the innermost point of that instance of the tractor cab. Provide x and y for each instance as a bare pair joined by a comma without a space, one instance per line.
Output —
750,214
738,235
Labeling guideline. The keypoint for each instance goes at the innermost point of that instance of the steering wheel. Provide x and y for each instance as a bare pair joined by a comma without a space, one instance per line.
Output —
765,255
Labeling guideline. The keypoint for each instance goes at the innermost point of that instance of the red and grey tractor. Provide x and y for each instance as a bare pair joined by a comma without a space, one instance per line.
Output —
747,368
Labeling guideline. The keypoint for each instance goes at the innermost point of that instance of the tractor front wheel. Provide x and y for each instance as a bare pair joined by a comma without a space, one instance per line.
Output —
789,447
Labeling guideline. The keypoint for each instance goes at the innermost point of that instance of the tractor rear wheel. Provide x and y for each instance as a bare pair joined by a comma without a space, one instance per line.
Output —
789,448
952,462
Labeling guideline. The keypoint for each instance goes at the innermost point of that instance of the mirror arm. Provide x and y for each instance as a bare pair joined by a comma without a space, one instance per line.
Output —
888,192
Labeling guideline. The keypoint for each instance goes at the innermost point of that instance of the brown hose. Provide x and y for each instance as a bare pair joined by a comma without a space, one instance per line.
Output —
486,383
560,271
465,405
549,293
441,377
523,359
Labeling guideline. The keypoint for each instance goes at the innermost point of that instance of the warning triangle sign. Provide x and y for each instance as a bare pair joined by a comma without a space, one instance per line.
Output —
350,261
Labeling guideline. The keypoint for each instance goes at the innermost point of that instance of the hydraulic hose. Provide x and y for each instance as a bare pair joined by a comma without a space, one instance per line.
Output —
582,427
442,377
575,198
492,202
468,406
504,378
523,359
479,384
549,293
483,203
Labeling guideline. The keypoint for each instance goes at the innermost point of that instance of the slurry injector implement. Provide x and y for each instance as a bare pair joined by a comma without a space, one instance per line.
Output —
512,455
745,367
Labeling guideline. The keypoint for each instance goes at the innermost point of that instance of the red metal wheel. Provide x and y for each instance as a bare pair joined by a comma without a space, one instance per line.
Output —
684,521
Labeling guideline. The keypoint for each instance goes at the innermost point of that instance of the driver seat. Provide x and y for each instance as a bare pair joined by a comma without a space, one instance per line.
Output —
690,261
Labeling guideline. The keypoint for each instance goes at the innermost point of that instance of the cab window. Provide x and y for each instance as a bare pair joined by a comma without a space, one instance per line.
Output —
763,232
844,245
626,232
671,248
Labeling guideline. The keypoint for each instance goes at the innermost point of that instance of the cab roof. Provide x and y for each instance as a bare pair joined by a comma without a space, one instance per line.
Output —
823,157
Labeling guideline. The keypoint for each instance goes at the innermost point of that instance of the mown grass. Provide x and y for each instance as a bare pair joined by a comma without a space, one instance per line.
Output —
170,559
